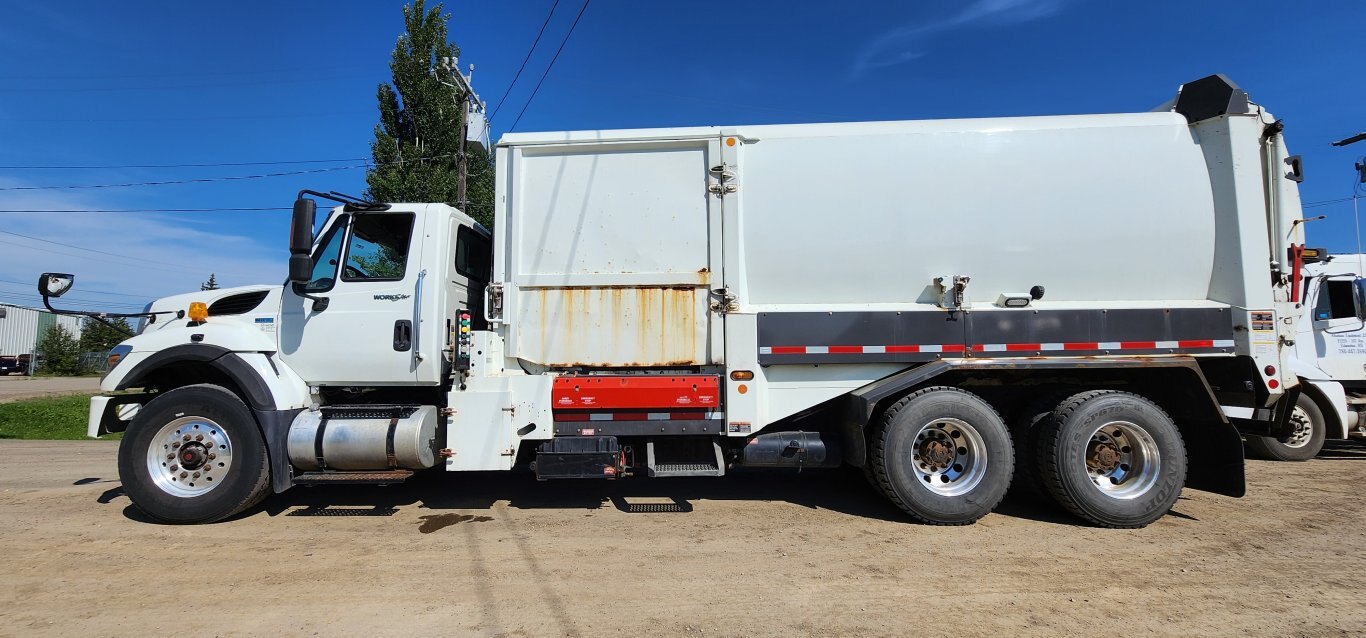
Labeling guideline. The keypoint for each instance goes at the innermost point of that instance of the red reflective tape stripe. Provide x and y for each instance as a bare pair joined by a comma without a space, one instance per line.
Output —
1206,343
845,349
953,347
789,349
1018,347
570,416
630,416
1138,345
902,348
1084,345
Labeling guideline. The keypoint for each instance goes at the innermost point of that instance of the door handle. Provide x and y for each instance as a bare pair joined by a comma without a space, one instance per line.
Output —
403,335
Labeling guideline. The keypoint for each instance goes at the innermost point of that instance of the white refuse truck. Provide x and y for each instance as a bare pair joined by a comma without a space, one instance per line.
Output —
685,301
1329,359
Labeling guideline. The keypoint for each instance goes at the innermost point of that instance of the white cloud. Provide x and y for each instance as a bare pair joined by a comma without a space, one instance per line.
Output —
161,254
908,42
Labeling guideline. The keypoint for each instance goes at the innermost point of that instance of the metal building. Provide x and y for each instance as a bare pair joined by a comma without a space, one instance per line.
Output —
20,328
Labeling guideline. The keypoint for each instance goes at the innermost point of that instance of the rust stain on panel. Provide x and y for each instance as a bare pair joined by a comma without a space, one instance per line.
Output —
642,326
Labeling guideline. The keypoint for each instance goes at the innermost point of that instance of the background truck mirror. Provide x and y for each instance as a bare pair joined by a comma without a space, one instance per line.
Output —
52,284
301,229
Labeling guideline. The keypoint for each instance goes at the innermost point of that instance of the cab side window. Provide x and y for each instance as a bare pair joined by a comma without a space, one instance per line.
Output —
1336,300
378,250
472,254
325,260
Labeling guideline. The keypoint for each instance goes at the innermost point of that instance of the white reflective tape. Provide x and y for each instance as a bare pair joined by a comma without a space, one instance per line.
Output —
993,347
1236,412
1223,343
600,416
1108,345
817,350
1051,346
715,415
931,348
765,350
1168,344
874,349
657,416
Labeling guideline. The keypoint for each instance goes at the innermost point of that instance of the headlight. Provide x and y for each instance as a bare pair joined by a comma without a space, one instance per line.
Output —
116,355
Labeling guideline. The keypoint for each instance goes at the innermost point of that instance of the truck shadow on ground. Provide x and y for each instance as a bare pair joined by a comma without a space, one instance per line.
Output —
840,491
1337,450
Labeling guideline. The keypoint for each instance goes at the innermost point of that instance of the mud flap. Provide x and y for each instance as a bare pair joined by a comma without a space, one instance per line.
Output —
275,432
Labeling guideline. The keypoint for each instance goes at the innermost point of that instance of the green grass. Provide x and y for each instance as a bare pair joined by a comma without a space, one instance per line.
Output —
54,418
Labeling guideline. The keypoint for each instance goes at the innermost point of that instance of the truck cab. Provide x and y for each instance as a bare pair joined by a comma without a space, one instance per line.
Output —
1329,357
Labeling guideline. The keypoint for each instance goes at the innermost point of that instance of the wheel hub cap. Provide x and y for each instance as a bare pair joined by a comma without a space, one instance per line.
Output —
1122,460
949,456
189,456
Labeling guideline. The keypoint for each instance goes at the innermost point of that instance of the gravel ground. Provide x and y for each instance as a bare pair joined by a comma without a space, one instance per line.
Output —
757,554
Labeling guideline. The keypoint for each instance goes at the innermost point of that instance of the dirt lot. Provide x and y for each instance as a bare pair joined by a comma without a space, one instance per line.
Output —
14,388
810,554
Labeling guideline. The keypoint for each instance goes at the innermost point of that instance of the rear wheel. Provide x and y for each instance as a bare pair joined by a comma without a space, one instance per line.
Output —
942,455
194,455
1113,458
1305,440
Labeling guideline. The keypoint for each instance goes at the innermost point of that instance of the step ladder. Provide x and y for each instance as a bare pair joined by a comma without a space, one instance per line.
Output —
685,458
381,477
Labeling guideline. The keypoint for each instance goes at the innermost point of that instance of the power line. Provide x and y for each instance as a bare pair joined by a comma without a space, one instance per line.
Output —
200,180
143,210
203,165
550,66
93,292
503,99
57,243
79,256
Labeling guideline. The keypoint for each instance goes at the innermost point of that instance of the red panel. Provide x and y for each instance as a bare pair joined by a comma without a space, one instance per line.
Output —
635,392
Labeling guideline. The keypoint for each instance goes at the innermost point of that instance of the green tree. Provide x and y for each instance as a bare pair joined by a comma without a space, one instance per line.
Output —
59,351
100,337
417,140
211,284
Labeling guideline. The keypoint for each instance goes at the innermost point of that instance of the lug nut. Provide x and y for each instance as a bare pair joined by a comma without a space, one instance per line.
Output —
212,456
187,437
170,456
196,474
175,446
175,468
199,437
184,474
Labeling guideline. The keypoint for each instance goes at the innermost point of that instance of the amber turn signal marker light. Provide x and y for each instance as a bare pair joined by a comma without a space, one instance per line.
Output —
741,375
199,311
742,388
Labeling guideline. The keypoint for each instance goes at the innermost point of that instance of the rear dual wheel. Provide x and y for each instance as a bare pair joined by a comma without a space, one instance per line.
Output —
943,455
1113,458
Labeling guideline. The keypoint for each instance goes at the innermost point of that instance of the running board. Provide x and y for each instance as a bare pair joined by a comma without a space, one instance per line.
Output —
385,477
701,465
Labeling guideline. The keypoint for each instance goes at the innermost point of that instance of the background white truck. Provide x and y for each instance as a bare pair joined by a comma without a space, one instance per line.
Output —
1329,359
679,302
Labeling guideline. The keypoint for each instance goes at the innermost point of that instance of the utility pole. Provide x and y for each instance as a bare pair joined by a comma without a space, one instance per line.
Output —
469,103
1356,194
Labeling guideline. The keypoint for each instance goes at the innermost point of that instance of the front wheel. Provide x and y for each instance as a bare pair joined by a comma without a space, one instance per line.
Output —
1305,439
1113,458
194,455
942,455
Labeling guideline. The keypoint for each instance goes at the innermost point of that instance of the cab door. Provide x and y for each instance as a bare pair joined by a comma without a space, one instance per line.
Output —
1339,334
368,268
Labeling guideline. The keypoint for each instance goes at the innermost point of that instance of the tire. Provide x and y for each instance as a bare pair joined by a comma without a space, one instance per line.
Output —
1310,431
167,483
1024,433
936,483
1112,458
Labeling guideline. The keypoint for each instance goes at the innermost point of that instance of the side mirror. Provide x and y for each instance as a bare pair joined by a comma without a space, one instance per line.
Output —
301,228
300,268
53,284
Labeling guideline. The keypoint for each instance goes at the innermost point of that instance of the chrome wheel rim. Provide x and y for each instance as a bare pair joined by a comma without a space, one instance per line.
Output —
949,457
1122,460
1304,429
189,456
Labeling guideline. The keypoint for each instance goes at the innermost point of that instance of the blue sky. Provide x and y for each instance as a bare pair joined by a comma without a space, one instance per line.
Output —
101,83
